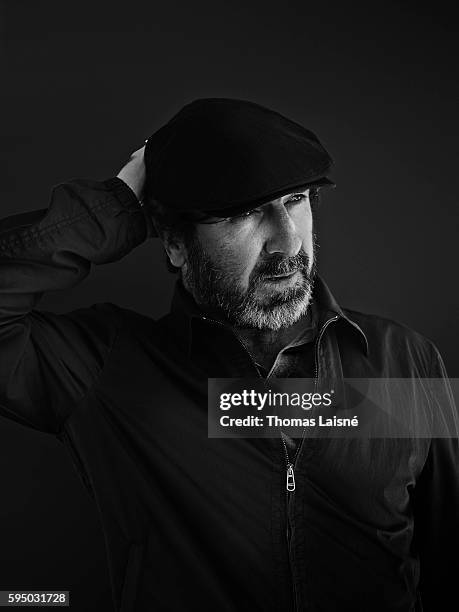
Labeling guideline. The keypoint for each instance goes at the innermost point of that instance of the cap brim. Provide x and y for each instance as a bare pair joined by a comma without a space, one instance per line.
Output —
238,209
246,206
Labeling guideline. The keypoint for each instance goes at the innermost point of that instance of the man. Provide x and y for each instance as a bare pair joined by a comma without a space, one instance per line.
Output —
192,522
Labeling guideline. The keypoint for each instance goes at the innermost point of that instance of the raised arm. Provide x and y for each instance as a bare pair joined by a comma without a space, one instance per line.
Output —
49,361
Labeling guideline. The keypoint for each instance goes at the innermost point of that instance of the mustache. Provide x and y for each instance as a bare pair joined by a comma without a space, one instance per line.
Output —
277,264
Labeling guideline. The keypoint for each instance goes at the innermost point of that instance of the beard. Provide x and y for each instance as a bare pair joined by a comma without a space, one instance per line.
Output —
261,305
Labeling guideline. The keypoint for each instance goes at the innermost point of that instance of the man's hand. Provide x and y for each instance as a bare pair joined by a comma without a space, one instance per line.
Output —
133,173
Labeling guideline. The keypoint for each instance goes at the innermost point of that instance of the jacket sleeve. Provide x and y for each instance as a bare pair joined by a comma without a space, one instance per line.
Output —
436,507
49,361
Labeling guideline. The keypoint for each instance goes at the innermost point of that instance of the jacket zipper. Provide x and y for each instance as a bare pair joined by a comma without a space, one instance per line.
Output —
290,484
290,481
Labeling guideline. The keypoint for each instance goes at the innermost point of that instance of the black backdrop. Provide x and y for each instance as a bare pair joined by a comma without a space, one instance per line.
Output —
84,84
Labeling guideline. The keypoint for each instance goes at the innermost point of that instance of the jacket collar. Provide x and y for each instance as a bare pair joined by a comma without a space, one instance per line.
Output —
185,312
328,306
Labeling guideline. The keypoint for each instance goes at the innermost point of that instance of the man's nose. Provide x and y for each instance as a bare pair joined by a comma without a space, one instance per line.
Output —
282,235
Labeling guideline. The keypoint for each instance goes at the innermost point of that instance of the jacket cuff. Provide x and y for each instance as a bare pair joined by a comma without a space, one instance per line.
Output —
123,193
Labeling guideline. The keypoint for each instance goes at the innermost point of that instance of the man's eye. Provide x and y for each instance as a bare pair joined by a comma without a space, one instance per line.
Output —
245,215
297,197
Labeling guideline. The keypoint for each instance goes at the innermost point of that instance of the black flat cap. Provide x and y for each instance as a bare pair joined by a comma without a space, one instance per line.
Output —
223,157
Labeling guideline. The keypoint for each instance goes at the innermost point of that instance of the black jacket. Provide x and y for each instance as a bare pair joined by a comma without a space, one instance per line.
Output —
196,523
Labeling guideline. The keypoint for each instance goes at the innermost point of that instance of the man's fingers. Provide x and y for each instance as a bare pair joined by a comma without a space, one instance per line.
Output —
133,173
139,152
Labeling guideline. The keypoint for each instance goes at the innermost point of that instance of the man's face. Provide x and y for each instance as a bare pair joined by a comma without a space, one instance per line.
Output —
256,269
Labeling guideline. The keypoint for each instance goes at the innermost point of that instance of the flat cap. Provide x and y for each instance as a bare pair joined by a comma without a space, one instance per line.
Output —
223,157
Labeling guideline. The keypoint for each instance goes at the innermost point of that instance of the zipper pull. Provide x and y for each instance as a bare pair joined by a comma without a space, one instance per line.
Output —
290,478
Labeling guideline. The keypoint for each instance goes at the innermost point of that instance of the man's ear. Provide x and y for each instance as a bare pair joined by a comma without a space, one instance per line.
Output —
175,250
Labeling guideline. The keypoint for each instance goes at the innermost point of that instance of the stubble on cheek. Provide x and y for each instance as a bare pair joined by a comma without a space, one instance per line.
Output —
232,263
212,269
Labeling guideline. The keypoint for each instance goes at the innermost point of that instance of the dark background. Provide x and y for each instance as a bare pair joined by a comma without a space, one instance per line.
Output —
86,83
